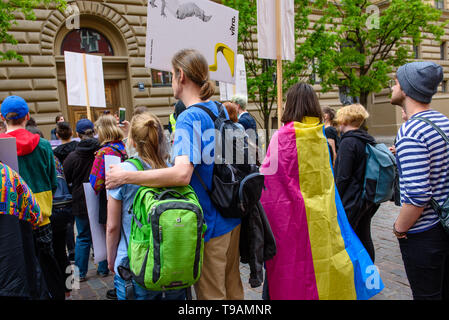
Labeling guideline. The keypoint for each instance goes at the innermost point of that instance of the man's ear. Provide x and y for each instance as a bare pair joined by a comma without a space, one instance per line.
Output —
182,76
27,117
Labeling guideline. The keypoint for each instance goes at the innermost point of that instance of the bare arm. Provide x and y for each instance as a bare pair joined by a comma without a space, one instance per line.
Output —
407,217
333,148
113,230
178,175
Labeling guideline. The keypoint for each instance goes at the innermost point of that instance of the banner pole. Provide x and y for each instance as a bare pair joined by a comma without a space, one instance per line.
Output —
279,60
89,115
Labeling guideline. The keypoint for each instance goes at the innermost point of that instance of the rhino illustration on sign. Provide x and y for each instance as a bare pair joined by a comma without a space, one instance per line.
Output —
181,11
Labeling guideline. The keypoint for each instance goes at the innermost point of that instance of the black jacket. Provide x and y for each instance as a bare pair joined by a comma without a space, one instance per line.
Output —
20,272
257,243
350,169
77,167
63,150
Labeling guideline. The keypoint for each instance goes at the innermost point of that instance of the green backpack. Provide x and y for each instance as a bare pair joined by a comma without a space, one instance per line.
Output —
166,242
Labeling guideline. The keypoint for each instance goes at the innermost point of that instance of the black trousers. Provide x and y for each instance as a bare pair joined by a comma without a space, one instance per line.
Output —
361,224
426,262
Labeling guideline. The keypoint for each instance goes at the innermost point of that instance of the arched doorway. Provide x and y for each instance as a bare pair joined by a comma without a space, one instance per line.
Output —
96,37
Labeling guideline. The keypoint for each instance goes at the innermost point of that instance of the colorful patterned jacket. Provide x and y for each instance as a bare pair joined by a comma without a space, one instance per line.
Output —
37,168
16,198
97,174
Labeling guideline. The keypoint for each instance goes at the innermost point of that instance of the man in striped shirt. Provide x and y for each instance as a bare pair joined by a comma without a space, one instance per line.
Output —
423,163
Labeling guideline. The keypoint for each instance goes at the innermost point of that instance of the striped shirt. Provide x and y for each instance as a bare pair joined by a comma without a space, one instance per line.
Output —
423,162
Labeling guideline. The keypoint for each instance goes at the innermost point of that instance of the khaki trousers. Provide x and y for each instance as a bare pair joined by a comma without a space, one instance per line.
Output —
220,275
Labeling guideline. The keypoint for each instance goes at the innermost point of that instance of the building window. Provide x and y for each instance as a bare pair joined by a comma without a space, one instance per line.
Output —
443,50
161,78
87,40
439,4
416,51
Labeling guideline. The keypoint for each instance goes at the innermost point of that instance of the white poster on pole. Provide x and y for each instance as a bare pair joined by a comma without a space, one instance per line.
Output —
206,26
97,230
228,90
266,29
8,153
76,81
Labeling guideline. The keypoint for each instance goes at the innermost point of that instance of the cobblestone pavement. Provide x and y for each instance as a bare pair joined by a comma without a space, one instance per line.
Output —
388,259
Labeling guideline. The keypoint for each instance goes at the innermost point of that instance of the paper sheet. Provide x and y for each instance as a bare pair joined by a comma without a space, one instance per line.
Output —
8,153
97,230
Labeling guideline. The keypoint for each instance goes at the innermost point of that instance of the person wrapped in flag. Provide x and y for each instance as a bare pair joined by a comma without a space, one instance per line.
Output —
318,254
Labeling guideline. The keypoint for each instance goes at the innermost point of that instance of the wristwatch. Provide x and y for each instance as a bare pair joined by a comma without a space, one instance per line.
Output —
397,233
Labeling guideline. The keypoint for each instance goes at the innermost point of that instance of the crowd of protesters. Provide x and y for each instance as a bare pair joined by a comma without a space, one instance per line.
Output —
28,215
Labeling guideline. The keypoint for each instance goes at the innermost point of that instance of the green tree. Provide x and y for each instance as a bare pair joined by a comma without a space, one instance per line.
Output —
262,72
366,43
8,11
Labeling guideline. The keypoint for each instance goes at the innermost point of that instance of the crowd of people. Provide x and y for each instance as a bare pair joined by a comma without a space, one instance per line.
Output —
314,202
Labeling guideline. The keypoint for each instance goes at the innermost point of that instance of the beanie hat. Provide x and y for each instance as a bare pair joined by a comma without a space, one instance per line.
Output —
83,125
14,104
420,80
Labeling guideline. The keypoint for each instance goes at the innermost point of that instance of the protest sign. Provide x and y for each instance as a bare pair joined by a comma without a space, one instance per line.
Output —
204,25
108,160
97,230
8,153
266,29
84,88
228,90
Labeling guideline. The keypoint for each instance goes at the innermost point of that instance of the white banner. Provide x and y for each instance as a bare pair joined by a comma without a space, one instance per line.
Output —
227,90
76,83
266,29
96,229
204,25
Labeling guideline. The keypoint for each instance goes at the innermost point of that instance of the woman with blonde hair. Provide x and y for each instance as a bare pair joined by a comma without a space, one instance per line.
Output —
220,274
148,138
350,168
110,137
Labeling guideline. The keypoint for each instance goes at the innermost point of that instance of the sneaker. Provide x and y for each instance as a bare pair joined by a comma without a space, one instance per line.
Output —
111,294
103,275
82,279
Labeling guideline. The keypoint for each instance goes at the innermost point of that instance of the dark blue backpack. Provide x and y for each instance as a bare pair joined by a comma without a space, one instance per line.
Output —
380,173
62,203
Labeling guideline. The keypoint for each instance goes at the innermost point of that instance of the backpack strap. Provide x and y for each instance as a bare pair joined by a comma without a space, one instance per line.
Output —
123,156
207,110
137,163
438,129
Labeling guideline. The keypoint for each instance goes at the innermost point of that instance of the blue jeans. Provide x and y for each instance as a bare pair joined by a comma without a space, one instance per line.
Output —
82,248
144,294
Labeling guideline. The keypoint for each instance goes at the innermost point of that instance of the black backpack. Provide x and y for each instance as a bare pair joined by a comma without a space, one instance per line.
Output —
236,182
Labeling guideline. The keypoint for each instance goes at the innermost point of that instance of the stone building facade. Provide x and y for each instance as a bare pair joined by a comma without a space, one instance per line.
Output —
116,29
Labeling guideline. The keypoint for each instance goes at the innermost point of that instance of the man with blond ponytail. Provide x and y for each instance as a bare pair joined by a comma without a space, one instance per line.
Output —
194,150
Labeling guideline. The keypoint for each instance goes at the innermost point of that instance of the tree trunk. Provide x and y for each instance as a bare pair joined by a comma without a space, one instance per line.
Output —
364,99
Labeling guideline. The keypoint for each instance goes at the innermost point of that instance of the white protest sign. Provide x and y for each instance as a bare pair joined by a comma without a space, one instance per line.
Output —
8,153
97,230
206,26
108,160
266,29
228,90
76,80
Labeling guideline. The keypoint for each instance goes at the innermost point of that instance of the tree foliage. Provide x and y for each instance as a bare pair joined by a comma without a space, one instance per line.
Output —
8,12
367,43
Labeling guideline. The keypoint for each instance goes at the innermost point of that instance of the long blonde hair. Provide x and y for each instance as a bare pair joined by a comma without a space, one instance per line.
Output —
148,135
106,127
